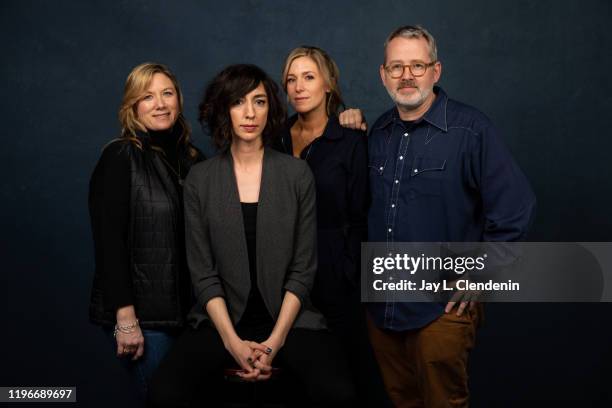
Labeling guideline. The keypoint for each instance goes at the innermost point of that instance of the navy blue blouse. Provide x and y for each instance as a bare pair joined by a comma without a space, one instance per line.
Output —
338,160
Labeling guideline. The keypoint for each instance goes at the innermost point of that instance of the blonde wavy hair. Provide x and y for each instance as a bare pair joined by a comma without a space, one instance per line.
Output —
328,68
136,85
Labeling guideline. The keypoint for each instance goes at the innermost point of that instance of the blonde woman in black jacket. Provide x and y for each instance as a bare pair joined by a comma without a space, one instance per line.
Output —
141,289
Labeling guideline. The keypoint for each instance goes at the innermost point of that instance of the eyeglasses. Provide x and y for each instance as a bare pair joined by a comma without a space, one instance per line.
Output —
416,68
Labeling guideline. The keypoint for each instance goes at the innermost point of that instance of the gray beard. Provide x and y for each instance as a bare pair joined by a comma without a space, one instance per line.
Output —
410,105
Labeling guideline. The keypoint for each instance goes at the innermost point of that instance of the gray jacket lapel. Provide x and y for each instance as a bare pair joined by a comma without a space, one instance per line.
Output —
263,211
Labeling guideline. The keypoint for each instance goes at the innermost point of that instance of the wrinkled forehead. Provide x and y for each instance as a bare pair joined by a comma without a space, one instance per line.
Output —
404,50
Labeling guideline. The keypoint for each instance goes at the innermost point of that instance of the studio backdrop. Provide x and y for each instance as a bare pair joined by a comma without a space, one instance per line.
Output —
539,69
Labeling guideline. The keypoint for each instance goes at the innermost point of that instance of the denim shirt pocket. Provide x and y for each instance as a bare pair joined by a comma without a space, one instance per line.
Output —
377,165
422,164
378,152
426,176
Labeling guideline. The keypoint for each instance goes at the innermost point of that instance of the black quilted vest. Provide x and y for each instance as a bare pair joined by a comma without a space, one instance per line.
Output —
160,280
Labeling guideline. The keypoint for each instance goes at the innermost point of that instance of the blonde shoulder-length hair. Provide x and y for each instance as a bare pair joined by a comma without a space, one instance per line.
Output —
328,68
136,85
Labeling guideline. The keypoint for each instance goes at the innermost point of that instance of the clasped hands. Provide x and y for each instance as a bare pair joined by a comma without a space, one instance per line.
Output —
254,358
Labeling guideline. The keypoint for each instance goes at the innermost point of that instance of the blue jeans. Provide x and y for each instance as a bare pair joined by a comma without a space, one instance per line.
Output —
156,345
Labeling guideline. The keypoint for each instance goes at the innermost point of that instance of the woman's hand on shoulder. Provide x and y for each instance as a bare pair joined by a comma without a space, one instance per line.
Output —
352,119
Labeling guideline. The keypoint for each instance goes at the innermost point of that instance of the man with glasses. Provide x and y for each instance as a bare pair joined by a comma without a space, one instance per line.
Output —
439,172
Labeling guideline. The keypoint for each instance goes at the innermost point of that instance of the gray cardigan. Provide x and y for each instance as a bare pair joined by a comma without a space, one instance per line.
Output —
286,237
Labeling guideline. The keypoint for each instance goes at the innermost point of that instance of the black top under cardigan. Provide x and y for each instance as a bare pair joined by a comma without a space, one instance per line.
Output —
255,314
217,252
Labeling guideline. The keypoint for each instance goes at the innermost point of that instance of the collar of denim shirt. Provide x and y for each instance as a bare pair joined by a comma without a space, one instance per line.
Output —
436,115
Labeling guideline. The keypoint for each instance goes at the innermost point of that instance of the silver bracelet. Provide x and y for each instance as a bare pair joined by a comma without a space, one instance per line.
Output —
127,329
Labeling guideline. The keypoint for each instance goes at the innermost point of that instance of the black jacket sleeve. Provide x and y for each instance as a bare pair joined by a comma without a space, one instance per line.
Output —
110,207
358,201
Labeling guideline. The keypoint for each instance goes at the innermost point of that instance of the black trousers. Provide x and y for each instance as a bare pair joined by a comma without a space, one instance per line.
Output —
191,372
340,303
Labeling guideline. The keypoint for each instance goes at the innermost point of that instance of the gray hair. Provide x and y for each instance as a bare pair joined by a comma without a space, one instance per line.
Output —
414,32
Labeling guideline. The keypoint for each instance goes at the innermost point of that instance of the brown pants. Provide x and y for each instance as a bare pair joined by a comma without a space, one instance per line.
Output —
427,367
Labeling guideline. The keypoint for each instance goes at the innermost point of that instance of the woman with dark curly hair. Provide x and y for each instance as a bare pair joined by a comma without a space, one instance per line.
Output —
141,289
251,249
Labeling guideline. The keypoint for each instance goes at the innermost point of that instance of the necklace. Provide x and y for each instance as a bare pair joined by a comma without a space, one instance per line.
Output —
309,145
309,149
178,174
312,142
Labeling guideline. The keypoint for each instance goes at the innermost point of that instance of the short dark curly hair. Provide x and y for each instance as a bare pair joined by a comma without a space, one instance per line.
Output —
225,89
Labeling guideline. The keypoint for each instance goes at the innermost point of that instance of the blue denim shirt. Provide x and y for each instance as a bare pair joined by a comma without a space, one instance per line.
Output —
448,177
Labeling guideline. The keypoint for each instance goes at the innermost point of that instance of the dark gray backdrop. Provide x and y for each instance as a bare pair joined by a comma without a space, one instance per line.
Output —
539,69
